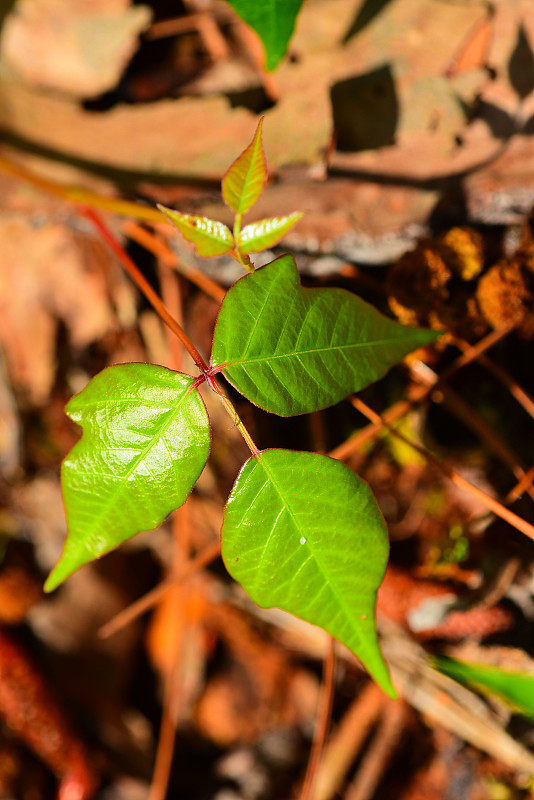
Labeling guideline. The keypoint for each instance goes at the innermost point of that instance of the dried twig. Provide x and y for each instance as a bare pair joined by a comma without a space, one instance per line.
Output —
490,502
323,722
347,741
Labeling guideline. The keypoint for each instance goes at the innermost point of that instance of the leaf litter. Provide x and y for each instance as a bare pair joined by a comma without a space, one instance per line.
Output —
248,679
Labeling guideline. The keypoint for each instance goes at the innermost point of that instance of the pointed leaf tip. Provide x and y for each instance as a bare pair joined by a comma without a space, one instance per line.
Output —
210,238
273,21
243,183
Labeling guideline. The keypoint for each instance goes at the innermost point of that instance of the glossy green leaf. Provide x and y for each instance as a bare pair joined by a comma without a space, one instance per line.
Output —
267,232
303,532
211,238
244,181
273,21
514,687
145,442
293,350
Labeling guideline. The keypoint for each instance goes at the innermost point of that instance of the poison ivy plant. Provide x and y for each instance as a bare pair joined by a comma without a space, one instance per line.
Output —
301,531
273,21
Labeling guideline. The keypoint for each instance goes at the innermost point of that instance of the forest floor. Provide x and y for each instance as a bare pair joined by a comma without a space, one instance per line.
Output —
406,137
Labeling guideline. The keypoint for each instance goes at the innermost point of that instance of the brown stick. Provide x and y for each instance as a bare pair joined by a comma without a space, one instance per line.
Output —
141,282
380,750
490,503
152,598
323,722
347,741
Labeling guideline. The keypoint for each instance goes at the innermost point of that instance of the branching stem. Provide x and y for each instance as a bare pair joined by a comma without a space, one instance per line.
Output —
153,298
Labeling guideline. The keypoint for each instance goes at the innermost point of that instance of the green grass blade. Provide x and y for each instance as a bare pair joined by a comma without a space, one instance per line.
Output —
514,687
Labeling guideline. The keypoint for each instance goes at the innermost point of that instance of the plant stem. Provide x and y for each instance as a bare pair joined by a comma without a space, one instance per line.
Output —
141,282
139,279
237,420
237,226
241,258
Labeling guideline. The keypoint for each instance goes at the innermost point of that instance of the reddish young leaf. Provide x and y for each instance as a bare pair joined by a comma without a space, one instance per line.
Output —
263,234
243,183
211,238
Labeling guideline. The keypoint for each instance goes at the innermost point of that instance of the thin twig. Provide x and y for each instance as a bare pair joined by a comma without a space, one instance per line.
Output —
521,486
382,746
152,598
323,722
172,682
501,374
418,393
347,741
141,282
157,247
453,401
489,502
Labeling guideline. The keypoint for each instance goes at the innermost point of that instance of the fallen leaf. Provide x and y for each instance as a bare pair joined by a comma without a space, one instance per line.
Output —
49,273
77,47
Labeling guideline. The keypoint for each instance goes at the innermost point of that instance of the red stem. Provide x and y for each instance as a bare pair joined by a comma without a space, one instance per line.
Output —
139,279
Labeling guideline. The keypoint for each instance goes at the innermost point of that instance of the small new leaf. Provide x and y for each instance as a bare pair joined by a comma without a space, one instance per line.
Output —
146,438
303,532
211,238
243,183
267,232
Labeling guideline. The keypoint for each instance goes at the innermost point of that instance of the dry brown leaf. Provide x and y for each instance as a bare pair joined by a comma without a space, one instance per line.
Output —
80,48
47,274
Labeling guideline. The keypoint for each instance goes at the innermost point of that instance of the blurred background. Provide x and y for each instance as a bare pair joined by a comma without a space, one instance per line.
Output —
404,130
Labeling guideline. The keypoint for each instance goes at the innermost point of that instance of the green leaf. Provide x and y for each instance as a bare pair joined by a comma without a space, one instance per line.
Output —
302,532
244,181
211,238
145,442
515,687
293,350
273,21
263,234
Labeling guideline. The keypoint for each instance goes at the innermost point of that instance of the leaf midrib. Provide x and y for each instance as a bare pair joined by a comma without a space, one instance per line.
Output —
318,350
317,562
